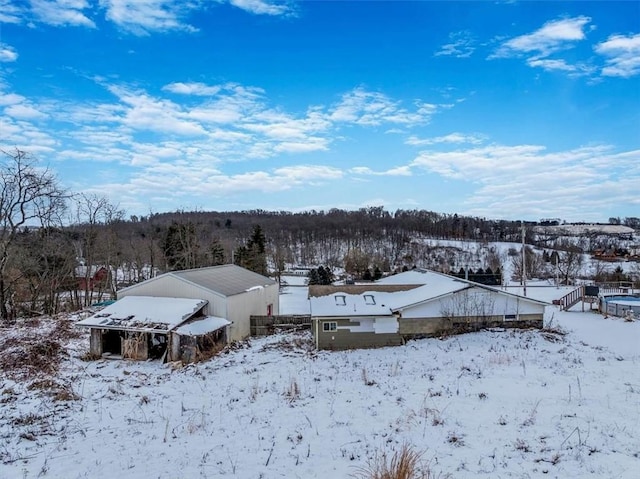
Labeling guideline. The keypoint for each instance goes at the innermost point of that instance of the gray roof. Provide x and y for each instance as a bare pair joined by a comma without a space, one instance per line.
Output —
227,280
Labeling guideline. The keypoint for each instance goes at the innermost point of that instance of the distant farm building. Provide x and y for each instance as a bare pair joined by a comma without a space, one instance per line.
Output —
90,278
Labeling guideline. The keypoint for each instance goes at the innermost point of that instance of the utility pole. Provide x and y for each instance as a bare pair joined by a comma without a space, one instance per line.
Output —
524,263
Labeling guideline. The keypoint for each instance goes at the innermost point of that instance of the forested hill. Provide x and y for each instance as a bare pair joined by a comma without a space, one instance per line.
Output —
340,224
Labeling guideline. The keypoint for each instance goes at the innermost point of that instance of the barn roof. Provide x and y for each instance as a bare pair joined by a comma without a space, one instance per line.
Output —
145,313
226,280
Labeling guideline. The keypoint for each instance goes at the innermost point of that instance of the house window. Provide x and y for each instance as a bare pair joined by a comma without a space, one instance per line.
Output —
510,317
330,326
369,299
341,300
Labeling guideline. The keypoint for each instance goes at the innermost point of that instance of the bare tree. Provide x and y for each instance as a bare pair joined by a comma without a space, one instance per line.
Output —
535,265
96,215
468,307
569,263
29,196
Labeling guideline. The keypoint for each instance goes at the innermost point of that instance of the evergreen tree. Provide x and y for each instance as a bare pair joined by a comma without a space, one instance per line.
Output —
252,255
377,273
325,275
313,277
216,250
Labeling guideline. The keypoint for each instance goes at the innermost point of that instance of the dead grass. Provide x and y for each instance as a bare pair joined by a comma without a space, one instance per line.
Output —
30,355
553,334
56,390
405,463
33,347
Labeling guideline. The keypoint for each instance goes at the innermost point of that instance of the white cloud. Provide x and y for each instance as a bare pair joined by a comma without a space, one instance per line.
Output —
528,180
145,113
397,171
10,13
62,12
310,144
7,53
455,137
23,111
299,173
205,181
261,7
143,17
367,108
10,99
192,88
462,45
551,37
548,64
622,55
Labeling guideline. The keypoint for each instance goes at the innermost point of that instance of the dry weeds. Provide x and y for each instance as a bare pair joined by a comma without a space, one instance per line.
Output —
406,463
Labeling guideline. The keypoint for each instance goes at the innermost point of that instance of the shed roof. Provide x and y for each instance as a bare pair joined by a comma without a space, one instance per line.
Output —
226,280
145,313
200,326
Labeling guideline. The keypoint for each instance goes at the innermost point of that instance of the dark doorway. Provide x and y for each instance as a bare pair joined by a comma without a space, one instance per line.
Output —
157,345
111,342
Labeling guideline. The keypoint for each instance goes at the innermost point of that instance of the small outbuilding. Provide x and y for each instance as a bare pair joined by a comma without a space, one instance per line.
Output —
415,304
182,315
230,292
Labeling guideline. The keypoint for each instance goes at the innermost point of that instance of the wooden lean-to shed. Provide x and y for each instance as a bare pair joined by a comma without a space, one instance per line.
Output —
144,327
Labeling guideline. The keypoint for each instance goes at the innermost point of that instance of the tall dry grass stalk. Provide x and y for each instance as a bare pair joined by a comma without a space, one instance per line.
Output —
403,464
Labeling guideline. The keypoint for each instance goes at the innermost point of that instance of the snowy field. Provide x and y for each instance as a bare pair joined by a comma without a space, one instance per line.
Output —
493,404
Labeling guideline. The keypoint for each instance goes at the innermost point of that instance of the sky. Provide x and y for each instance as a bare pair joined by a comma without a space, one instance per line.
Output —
504,110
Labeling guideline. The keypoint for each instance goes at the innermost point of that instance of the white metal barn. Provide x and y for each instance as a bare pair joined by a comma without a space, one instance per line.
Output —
231,292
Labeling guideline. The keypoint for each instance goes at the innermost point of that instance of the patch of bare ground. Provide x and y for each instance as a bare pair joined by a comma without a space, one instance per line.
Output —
33,347
292,342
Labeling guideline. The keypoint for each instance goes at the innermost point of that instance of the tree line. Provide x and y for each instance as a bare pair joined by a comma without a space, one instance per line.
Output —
54,241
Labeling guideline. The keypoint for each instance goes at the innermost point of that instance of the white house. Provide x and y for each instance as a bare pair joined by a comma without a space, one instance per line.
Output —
414,304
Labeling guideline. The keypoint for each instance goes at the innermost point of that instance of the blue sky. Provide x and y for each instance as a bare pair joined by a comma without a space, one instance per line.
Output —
515,110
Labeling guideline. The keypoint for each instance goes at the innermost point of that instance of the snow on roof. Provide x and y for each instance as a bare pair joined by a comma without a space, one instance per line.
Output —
414,276
200,326
390,294
369,303
145,312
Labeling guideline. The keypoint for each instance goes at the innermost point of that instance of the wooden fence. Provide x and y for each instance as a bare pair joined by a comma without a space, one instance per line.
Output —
266,325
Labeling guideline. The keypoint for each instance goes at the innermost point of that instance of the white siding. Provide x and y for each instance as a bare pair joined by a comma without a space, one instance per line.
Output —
386,325
498,303
252,302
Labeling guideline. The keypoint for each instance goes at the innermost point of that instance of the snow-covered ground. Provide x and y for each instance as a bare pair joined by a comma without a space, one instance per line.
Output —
493,404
